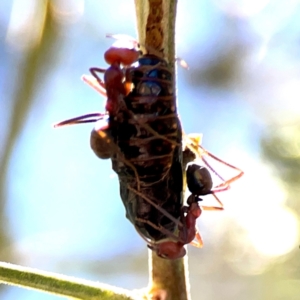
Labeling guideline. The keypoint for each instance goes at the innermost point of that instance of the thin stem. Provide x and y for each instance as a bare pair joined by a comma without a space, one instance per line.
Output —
156,33
60,285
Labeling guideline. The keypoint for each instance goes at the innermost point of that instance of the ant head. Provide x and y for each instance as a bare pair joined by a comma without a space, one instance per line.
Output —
199,179
122,56
124,51
169,250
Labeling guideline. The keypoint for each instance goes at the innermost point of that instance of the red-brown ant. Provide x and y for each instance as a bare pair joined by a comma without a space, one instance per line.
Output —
199,182
114,89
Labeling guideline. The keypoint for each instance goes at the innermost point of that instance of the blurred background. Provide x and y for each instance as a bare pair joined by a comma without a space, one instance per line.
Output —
60,208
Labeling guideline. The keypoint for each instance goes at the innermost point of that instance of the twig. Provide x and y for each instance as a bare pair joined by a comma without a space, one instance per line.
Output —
156,31
60,284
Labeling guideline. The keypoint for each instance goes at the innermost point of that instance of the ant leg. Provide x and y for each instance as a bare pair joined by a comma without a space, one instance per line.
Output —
211,207
128,163
229,181
88,118
94,72
192,199
163,211
193,142
194,145
218,200
155,133
212,169
158,228
197,242
218,189
94,83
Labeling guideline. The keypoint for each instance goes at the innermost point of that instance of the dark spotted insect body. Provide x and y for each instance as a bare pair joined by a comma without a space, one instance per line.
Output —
148,134
141,133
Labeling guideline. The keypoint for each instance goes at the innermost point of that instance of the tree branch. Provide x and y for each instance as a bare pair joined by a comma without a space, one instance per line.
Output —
156,31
